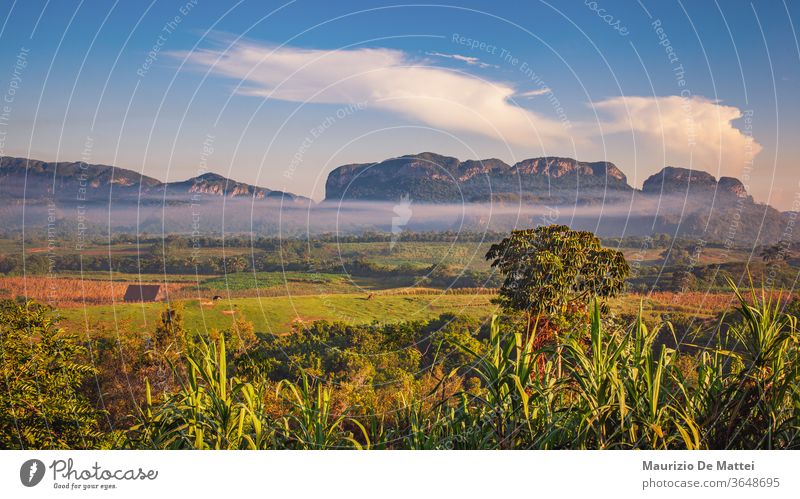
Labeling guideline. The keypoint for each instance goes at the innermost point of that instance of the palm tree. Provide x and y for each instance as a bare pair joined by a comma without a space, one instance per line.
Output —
235,264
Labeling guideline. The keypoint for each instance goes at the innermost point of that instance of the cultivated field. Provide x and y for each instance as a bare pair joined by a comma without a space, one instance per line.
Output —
278,315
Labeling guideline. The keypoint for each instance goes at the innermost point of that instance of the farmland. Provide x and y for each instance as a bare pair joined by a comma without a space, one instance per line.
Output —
376,329
279,314
277,284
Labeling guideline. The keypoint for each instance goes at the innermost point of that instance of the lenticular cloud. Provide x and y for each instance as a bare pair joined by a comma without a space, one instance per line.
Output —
388,80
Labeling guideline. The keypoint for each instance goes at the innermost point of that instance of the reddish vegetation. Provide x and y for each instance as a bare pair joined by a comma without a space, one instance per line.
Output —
67,292
701,302
708,302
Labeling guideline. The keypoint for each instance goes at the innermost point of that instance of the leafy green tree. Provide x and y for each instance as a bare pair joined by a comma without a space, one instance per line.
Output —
550,268
43,369
37,264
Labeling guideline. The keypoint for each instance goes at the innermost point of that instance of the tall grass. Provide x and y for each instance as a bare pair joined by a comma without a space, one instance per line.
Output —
310,423
750,393
209,411
602,386
625,391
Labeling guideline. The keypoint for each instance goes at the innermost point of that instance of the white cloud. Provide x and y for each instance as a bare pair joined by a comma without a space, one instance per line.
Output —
695,131
535,93
472,61
386,79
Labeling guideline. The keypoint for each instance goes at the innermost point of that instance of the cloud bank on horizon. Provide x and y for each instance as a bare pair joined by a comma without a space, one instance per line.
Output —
694,131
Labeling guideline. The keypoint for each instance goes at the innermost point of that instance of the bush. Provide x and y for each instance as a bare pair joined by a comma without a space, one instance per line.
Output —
43,372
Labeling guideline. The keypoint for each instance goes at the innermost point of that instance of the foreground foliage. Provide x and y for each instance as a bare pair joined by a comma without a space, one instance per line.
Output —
42,369
602,385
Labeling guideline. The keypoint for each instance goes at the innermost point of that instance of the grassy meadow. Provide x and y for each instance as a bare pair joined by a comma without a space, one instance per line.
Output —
280,314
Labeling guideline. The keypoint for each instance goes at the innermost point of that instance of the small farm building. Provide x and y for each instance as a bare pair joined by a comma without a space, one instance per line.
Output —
143,293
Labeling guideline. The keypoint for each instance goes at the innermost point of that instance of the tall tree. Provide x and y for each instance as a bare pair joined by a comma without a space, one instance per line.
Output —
550,268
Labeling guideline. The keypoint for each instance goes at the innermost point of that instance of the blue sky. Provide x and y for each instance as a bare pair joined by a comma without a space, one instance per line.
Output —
281,93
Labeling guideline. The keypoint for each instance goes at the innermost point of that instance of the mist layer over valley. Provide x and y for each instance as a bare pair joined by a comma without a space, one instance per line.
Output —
416,193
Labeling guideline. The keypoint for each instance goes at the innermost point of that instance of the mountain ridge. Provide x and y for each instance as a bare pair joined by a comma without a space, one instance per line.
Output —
674,200
591,195
385,180
407,172
35,180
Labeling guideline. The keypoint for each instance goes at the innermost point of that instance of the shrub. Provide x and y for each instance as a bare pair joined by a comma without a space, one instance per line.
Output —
43,371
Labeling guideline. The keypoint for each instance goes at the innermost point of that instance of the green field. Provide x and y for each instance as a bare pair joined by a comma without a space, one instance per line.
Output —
247,280
336,279
277,314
